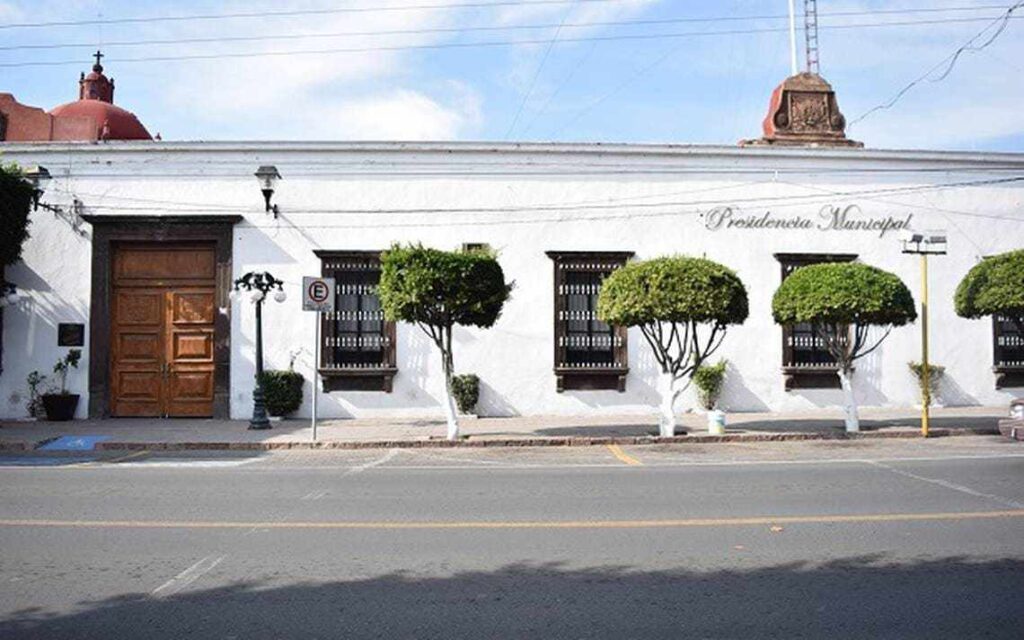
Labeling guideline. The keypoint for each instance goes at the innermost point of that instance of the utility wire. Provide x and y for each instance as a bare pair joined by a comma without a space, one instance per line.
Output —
949,61
536,74
481,44
475,211
290,13
465,29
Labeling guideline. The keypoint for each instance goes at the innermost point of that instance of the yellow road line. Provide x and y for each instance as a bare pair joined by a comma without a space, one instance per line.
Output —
622,455
522,524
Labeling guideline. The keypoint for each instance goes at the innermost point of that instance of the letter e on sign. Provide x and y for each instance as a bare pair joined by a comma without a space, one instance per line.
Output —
317,294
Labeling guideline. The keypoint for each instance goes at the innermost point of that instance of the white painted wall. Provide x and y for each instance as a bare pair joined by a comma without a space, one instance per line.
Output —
616,186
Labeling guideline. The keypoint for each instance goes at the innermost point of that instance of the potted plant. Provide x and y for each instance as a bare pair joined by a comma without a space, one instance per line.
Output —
934,376
708,379
466,389
35,399
59,404
282,391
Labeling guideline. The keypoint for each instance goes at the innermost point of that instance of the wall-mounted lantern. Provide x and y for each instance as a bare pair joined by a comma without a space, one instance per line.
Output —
268,176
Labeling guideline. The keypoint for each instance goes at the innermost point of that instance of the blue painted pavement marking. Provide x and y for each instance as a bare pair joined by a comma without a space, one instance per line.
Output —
73,443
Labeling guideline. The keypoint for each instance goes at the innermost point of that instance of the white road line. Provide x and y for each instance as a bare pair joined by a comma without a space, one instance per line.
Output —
315,495
186,577
950,485
374,463
157,463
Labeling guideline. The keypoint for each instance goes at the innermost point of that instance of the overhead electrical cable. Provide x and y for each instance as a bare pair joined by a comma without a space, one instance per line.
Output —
776,200
949,62
536,74
463,29
292,12
478,44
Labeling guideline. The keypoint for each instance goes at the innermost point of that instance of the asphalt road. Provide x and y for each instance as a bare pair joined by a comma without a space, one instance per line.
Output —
916,539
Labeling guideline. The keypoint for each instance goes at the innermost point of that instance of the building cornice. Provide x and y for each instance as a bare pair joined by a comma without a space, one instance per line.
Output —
269,148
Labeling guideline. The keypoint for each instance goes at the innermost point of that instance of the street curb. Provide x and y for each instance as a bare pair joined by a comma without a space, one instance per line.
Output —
580,441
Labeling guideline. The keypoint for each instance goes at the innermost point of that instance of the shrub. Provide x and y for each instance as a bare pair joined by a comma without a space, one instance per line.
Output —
708,379
15,206
65,364
282,390
466,389
935,373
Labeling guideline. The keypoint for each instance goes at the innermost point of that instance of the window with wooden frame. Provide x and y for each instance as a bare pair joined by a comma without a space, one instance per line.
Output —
1008,351
589,354
806,361
357,352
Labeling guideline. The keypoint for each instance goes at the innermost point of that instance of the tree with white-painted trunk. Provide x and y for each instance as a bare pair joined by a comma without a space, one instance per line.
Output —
844,302
437,290
683,307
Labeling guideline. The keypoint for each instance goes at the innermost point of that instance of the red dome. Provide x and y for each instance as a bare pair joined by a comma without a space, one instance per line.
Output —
119,123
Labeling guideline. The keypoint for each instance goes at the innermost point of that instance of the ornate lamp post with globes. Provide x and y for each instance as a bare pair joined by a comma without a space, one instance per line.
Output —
259,284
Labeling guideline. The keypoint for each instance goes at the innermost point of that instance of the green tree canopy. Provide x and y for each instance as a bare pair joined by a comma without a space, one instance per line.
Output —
15,206
442,288
843,293
437,290
993,286
673,289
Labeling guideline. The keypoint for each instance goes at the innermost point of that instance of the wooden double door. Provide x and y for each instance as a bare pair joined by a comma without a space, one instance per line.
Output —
162,330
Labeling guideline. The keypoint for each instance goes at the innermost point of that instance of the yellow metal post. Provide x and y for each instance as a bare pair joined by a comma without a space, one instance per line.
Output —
926,389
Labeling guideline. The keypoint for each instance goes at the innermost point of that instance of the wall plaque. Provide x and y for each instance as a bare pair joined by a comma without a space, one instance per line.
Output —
70,335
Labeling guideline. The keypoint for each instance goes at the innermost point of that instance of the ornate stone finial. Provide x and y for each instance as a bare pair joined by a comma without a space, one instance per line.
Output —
98,68
803,112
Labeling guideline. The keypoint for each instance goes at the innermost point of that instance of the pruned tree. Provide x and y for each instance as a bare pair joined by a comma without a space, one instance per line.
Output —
437,290
843,302
994,286
683,307
15,205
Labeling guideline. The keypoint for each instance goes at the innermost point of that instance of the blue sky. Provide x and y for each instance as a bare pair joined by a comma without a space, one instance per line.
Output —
578,82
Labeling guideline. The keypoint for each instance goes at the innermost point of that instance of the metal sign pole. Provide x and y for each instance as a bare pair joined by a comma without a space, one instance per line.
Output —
316,369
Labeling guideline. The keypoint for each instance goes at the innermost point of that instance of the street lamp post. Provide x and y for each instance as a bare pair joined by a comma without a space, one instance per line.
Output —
925,244
259,284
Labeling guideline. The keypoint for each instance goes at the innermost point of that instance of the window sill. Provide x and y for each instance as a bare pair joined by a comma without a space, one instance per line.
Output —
591,379
362,379
821,377
1009,376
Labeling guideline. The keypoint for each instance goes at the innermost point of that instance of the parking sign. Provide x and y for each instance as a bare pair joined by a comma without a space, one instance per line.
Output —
317,294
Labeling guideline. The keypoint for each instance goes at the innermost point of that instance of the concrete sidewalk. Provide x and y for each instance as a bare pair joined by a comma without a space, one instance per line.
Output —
155,434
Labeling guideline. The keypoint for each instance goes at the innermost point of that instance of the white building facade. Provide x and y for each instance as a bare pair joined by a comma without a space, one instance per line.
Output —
150,235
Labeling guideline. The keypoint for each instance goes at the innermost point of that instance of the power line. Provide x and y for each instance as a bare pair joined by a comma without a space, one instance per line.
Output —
536,74
288,13
481,44
466,29
604,207
949,61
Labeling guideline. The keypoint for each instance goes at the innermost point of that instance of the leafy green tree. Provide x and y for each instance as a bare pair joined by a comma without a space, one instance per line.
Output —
15,206
843,301
437,290
994,286
683,307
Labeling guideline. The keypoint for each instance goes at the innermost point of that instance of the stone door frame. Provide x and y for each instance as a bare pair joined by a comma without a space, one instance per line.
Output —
108,231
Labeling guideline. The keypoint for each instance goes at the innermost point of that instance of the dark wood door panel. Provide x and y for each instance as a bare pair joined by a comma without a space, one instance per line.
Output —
164,264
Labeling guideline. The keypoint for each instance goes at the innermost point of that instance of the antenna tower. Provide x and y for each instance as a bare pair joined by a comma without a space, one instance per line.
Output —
811,34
